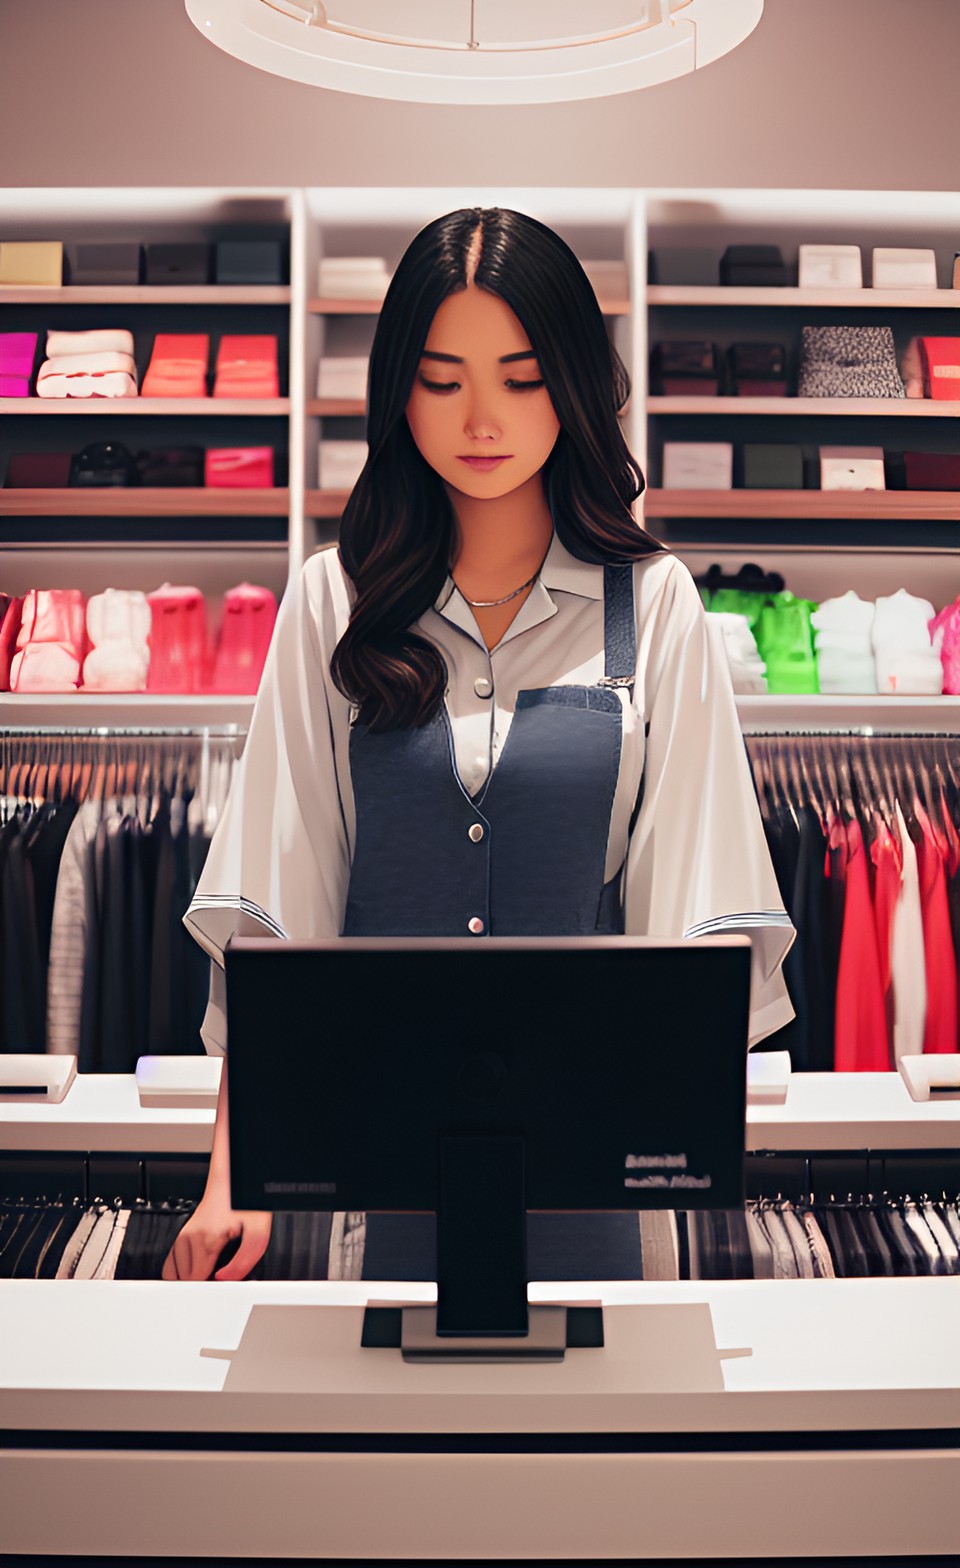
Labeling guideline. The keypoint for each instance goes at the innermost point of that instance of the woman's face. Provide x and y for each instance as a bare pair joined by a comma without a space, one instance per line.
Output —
478,394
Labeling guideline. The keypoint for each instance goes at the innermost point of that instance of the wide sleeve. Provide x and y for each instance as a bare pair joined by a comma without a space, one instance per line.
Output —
278,863
697,861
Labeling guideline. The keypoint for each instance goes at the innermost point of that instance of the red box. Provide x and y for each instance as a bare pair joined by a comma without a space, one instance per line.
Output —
240,467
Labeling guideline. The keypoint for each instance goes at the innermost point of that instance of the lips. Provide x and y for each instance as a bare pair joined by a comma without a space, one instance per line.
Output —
484,464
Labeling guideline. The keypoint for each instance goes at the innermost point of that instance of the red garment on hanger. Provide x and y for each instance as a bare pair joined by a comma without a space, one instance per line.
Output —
940,1033
888,864
860,1043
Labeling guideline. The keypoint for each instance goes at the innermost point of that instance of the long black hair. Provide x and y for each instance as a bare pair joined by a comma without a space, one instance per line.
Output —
398,526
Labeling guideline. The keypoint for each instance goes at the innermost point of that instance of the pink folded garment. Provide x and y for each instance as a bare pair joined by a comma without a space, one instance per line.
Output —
45,666
88,364
14,386
53,615
104,340
111,383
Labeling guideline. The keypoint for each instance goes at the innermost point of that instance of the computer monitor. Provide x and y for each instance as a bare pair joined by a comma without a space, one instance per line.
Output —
480,1079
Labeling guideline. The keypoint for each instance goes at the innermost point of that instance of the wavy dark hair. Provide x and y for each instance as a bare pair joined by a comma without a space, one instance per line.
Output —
398,527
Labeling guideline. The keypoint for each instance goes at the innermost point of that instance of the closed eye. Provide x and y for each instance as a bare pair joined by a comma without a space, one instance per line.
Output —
452,386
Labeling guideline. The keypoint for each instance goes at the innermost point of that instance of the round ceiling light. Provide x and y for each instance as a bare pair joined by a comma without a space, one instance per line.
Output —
477,51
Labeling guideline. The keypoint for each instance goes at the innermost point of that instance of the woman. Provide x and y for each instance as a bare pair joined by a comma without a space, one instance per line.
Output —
498,709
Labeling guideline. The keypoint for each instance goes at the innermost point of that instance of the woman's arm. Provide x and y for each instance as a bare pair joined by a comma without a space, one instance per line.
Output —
214,1222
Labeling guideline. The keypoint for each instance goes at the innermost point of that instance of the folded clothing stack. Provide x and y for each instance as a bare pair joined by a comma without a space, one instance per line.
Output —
747,670
51,641
843,630
340,463
343,376
179,652
249,614
353,277
118,627
945,634
88,364
907,662
17,353
178,365
247,367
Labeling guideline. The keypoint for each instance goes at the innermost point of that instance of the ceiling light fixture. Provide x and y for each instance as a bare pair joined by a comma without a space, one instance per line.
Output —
477,51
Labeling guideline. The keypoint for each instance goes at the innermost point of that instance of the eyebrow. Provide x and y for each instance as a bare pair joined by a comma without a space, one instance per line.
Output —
454,359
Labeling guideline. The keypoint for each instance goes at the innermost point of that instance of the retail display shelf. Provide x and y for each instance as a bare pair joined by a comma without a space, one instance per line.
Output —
371,307
187,406
337,405
841,299
59,711
822,1111
141,501
849,712
146,294
887,407
836,505
325,503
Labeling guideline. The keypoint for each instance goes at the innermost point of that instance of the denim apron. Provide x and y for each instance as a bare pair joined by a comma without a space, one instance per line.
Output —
524,856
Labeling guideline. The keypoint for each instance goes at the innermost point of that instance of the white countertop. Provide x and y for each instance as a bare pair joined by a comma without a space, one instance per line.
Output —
102,1112
822,1355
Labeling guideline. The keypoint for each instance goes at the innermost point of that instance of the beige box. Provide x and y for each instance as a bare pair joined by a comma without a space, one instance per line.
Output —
830,267
894,268
852,468
37,263
697,465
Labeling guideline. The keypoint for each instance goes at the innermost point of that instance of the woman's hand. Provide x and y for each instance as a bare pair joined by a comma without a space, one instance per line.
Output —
211,1226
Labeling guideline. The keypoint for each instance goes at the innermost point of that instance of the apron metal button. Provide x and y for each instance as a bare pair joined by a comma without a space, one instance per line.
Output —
483,687
475,926
475,832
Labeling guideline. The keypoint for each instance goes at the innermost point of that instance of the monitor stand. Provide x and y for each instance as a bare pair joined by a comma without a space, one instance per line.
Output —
482,1312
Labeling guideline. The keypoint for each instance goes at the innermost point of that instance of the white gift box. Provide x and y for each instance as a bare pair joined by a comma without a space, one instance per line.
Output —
340,463
697,465
353,277
851,468
343,376
830,267
894,268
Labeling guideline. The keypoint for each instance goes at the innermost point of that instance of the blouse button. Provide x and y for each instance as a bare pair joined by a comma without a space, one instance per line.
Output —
483,687
475,926
475,832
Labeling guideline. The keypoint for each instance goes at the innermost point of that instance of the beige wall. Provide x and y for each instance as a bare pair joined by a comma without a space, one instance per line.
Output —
826,93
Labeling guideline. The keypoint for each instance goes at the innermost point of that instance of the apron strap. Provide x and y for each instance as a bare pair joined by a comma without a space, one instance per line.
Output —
619,627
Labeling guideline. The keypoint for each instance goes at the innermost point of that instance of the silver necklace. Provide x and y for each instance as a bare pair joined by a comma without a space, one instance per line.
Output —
490,604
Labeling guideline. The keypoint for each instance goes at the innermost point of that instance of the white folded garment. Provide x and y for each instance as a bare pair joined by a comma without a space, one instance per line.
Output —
909,672
902,621
843,642
92,364
119,615
747,670
846,672
110,383
103,340
846,613
116,666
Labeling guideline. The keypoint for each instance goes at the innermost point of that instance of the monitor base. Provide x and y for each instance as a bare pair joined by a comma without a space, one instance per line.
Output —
413,1331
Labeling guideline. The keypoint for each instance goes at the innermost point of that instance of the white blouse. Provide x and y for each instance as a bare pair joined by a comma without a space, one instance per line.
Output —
696,862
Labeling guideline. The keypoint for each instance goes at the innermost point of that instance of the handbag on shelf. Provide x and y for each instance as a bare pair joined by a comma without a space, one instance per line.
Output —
848,362
105,463
756,370
684,370
165,467
243,467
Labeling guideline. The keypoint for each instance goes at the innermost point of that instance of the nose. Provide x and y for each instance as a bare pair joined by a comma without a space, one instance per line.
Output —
481,423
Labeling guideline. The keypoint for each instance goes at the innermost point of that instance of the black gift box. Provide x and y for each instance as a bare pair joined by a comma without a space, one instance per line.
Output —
187,264
687,266
770,466
753,265
100,263
249,261
171,466
756,370
684,369
104,463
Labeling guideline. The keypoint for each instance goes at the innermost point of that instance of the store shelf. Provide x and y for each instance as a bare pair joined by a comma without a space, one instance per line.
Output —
186,406
837,505
146,294
841,299
887,407
121,710
325,503
371,307
140,501
894,715
337,405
